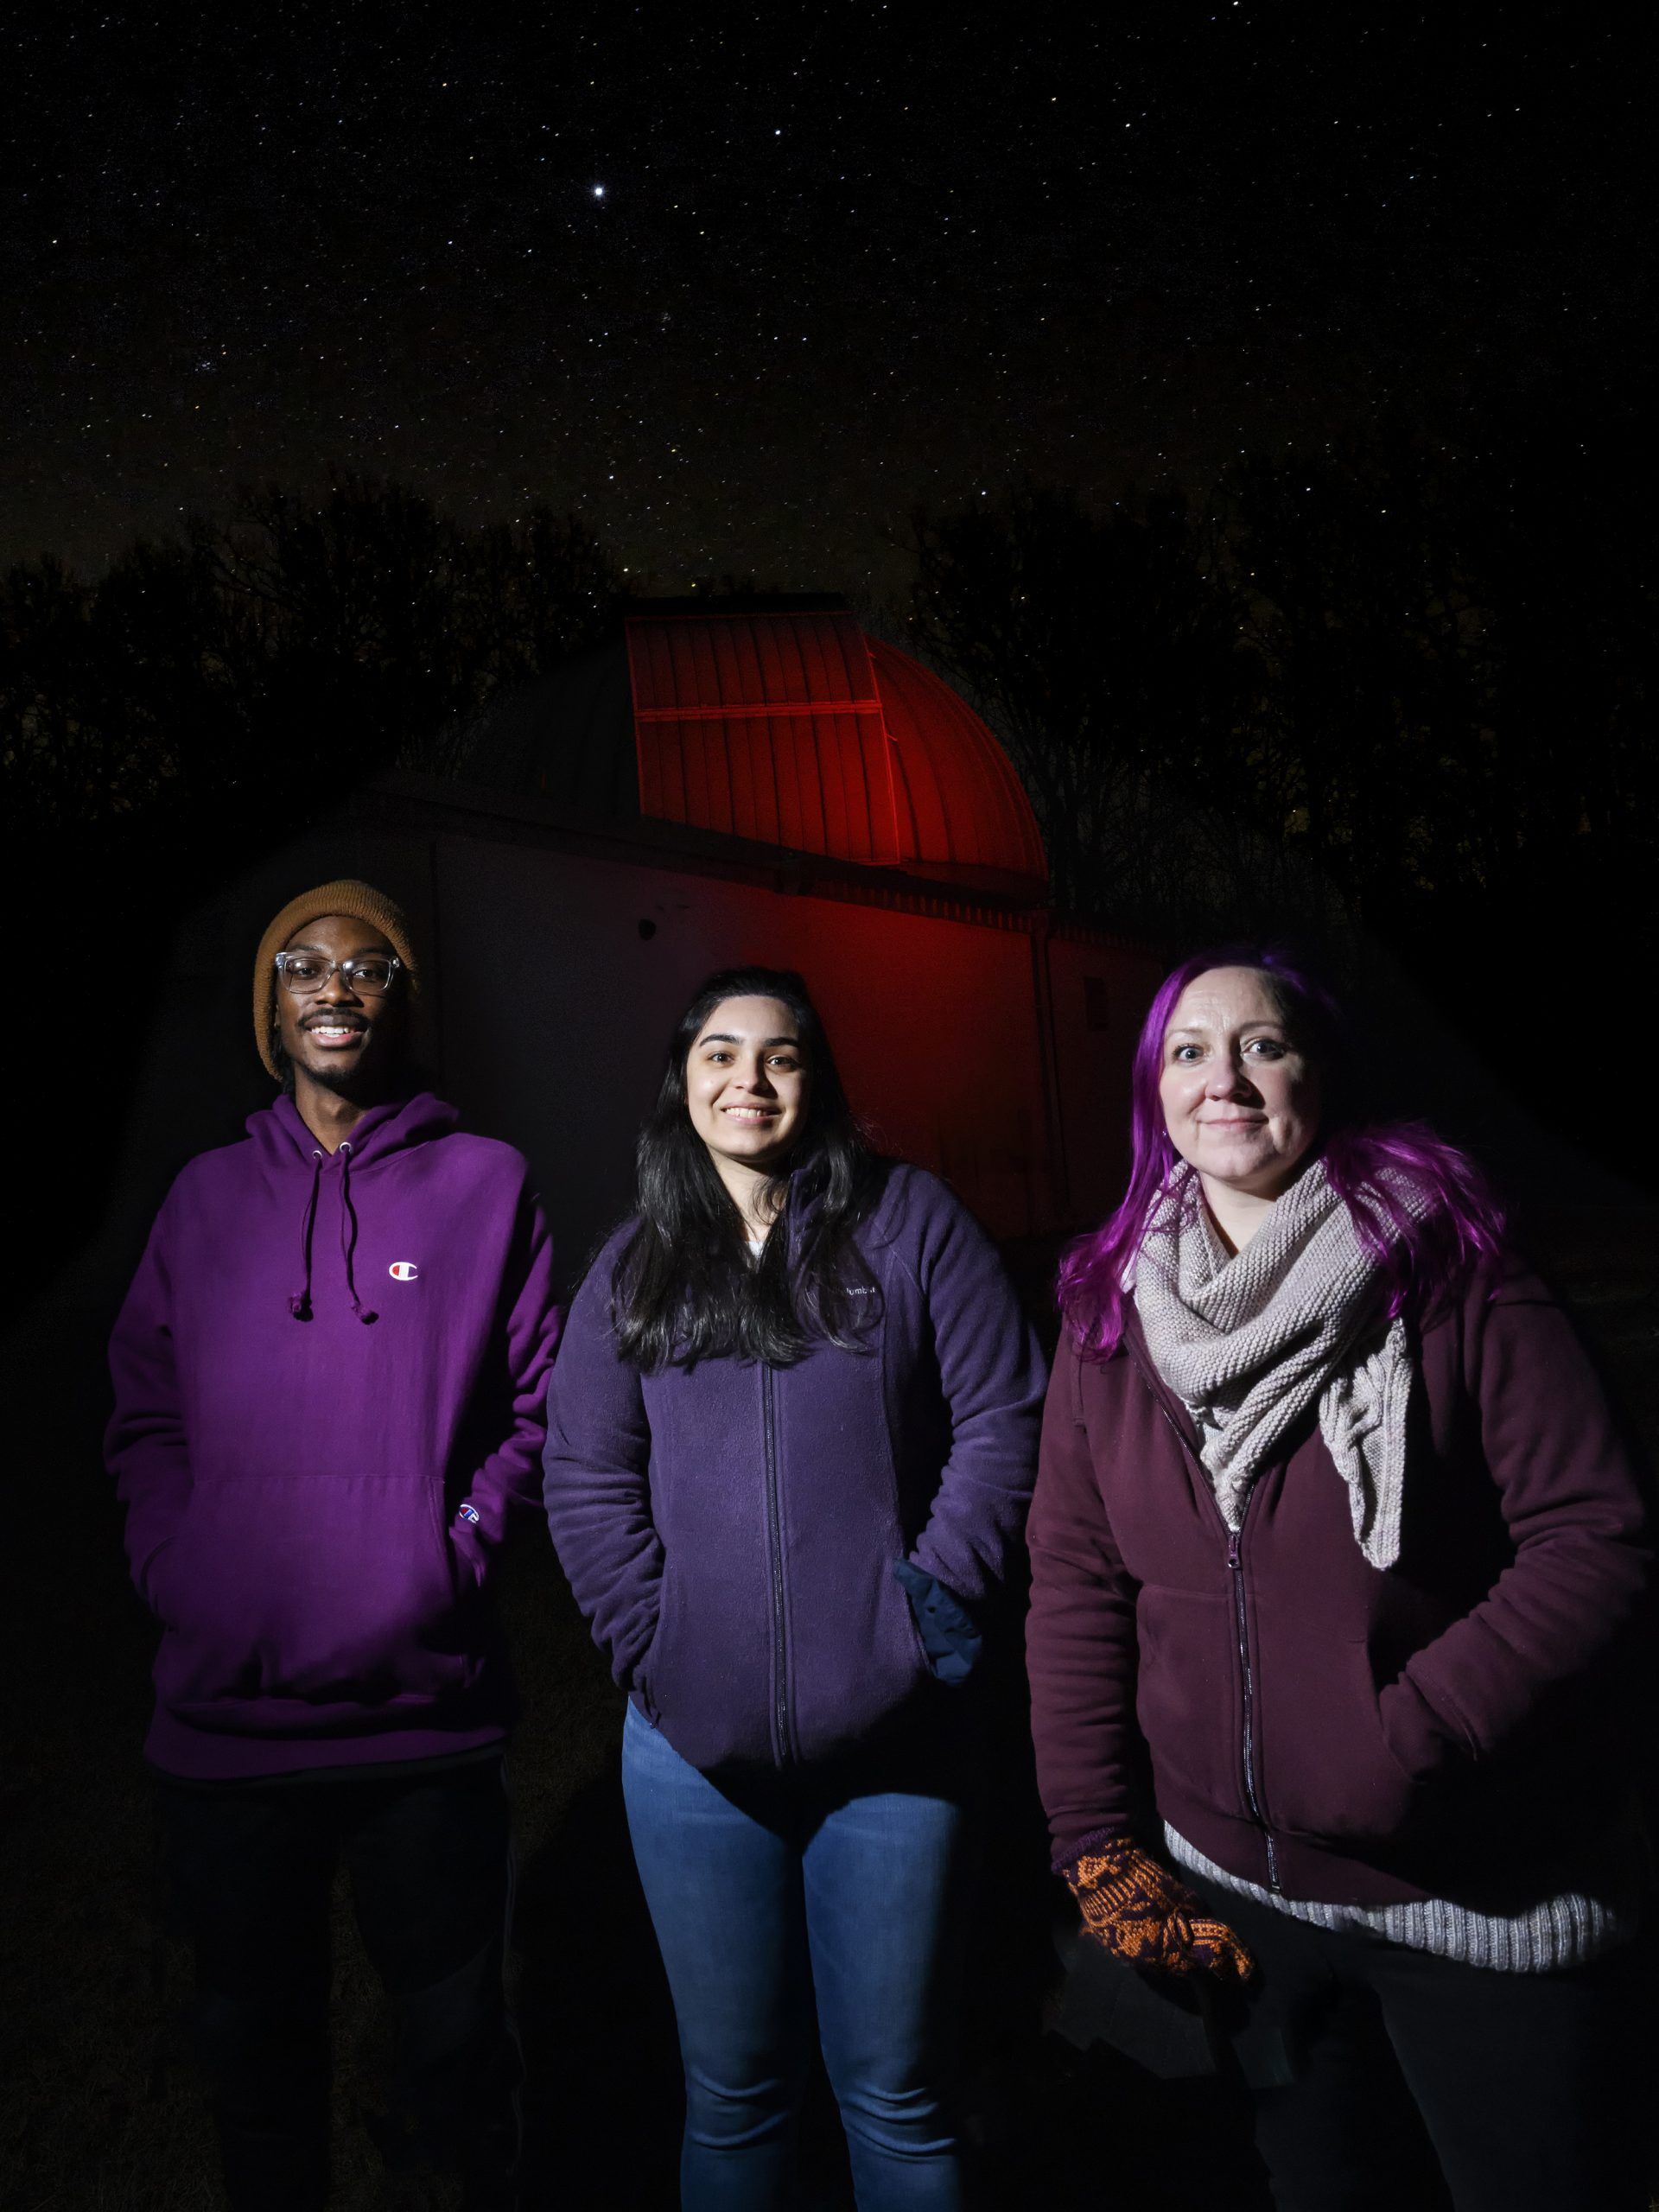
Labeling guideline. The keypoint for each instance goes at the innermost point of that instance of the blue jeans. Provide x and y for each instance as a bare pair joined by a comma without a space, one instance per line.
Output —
770,1892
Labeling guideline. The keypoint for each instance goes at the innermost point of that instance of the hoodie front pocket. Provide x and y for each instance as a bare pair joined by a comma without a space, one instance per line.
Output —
157,1581
468,1562
326,1592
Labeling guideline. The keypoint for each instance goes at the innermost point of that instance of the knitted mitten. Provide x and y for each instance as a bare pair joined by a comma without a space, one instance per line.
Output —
1138,1911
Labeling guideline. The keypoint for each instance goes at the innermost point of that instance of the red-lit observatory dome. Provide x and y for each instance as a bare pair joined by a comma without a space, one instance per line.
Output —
779,722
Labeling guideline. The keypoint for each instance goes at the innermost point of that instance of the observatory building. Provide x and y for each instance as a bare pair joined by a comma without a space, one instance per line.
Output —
726,780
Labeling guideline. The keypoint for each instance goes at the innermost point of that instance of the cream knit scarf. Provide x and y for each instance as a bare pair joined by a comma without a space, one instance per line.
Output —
1250,1340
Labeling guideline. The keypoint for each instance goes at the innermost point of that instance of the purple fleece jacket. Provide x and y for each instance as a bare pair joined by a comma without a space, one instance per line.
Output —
730,1530
326,1366
1459,1726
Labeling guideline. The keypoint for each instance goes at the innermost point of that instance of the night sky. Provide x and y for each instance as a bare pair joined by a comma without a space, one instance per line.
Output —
742,290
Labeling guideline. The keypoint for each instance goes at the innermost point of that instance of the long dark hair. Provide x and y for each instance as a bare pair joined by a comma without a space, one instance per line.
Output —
683,1288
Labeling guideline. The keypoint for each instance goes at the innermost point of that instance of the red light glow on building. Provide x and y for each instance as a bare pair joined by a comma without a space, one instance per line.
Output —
791,728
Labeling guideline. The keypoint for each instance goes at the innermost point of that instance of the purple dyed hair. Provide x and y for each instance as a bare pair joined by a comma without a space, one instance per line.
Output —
1423,1259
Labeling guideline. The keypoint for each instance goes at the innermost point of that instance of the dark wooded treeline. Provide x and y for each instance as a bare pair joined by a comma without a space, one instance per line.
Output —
299,640
165,724
1376,682
1390,684
1402,686
1396,692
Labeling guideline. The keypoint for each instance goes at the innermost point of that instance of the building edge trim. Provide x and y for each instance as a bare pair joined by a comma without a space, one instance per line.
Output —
512,819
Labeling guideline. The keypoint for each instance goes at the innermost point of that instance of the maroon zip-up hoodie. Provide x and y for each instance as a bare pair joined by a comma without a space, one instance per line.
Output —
1456,1726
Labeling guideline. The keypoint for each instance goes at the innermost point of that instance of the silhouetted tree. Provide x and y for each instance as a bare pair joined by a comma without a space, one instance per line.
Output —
209,693
1404,686
1111,655
301,638
1458,639
1370,746
1397,681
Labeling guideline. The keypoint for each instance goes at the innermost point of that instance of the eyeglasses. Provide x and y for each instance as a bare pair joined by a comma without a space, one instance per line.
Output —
303,973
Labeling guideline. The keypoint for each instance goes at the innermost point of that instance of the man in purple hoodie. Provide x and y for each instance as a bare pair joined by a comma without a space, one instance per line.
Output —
329,1376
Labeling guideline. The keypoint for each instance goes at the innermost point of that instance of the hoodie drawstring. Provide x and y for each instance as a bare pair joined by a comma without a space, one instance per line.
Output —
348,1232
299,1306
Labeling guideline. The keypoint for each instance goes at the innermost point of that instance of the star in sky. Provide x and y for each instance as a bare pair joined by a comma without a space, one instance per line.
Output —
953,266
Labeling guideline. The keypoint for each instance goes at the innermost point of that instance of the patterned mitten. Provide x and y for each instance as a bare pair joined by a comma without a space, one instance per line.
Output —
1138,1911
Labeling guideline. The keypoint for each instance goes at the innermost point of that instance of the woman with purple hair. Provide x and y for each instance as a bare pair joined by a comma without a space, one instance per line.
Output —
1339,1568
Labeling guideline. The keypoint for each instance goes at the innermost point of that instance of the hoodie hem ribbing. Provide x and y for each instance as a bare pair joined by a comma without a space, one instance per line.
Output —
176,1750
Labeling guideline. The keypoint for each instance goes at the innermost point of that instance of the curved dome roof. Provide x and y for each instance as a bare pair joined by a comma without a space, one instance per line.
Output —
960,803
777,721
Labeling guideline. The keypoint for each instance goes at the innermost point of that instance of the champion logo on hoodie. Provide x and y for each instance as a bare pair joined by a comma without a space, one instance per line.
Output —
403,1271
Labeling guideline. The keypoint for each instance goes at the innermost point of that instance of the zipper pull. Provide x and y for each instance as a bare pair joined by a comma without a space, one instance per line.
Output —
1232,1547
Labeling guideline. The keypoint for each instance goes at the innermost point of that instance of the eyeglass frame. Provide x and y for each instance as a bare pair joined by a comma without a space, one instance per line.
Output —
343,968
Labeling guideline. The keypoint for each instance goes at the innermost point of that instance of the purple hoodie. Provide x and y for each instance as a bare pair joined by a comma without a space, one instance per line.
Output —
730,1530
329,1375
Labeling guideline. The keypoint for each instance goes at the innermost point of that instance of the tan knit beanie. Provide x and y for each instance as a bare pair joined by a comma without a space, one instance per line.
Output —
362,903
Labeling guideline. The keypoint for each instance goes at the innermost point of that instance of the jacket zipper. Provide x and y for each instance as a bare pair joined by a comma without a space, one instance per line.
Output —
1242,1631
1247,1747
775,1551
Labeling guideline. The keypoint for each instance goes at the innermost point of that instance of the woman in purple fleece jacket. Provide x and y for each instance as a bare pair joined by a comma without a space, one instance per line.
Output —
791,1444
1338,1564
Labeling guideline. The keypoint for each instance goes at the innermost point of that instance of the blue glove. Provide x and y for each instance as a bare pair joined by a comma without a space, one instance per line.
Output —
948,1637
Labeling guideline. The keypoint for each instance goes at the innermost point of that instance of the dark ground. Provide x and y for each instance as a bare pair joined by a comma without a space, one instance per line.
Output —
100,2112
